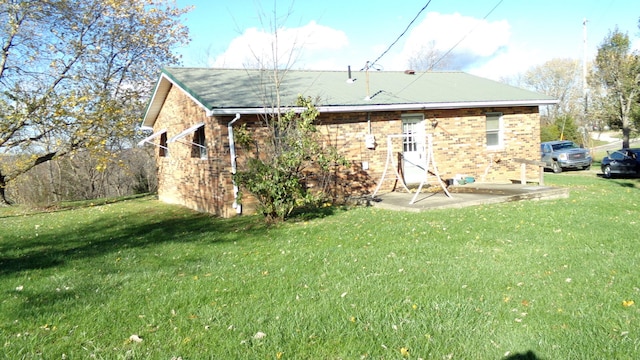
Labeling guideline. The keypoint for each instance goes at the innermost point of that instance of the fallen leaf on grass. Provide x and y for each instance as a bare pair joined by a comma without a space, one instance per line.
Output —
135,338
404,352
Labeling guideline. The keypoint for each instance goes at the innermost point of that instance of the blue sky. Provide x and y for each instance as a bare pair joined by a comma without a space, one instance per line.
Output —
332,34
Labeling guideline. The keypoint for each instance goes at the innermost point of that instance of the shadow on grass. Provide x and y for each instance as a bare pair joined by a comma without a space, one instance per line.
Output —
529,355
68,205
627,185
312,212
632,183
110,234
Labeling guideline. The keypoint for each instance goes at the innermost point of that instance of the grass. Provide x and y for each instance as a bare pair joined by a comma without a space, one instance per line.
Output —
537,280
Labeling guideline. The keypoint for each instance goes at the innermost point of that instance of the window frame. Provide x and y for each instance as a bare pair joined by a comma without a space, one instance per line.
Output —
163,150
410,139
199,144
494,132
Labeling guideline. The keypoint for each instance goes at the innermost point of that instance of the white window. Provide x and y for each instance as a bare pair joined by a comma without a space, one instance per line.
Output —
410,140
494,130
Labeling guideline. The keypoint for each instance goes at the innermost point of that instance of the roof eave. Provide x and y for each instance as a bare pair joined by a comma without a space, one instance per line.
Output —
393,107
160,93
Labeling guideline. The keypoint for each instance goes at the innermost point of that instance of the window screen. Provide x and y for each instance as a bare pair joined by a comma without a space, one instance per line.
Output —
494,129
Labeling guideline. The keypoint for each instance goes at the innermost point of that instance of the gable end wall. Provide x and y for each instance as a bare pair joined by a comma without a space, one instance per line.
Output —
200,184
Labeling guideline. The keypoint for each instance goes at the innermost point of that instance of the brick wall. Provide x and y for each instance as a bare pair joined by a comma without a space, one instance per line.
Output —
200,184
458,144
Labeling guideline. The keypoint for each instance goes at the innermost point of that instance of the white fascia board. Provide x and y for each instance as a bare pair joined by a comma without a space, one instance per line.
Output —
392,107
186,93
186,132
159,96
151,137
157,100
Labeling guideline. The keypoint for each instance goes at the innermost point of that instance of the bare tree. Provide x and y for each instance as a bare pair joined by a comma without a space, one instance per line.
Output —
429,58
275,170
75,177
561,79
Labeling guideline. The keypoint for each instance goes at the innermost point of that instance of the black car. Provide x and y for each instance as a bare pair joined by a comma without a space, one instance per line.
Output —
621,162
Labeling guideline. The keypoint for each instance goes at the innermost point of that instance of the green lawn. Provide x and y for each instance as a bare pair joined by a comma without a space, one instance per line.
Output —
550,279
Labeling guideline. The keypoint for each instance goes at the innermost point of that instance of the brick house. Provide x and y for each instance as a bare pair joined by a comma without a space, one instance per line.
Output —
476,126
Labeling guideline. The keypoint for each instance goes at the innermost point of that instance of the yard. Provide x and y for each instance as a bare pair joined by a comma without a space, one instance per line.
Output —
139,279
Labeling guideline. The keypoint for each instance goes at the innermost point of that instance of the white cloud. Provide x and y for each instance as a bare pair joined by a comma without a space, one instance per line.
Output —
474,41
635,44
506,64
303,45
480,47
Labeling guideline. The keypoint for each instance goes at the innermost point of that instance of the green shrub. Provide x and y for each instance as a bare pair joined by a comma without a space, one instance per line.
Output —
278,178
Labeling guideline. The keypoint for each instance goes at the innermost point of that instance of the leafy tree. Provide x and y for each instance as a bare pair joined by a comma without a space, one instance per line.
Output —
561,79
617,74
75,74
549,132
278,172
564,127
568,129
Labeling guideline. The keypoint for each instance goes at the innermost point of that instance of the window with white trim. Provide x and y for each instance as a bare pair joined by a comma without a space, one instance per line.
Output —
494,130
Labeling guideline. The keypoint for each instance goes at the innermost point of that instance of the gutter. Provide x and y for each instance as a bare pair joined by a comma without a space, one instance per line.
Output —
232,154
392,107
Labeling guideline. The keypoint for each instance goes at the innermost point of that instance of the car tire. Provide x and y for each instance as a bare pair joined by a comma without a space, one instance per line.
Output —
556,167
586,167
606,172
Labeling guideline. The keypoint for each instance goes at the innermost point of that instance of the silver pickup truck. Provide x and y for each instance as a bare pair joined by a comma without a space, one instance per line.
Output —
564,154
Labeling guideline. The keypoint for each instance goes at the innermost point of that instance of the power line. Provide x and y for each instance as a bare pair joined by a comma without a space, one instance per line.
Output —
464,37
398,38
453,47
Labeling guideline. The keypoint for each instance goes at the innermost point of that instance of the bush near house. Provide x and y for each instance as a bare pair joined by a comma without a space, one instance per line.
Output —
276,171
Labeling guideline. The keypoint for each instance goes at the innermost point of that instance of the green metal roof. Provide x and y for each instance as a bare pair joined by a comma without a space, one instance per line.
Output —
230,91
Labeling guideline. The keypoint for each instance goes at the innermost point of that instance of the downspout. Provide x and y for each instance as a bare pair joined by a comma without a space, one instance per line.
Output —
232,153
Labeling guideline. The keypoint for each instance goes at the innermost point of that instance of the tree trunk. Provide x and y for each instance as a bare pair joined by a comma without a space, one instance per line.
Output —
3,196
626,132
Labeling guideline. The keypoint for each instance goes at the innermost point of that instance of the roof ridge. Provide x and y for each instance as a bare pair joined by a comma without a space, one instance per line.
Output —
314,70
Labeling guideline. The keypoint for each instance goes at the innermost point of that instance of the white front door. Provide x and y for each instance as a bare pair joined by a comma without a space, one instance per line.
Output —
413,149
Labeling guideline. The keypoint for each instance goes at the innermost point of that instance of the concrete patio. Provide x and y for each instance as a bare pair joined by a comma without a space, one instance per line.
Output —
466,195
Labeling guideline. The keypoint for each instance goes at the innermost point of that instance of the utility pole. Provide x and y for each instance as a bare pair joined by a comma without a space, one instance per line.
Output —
586,125
585,89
